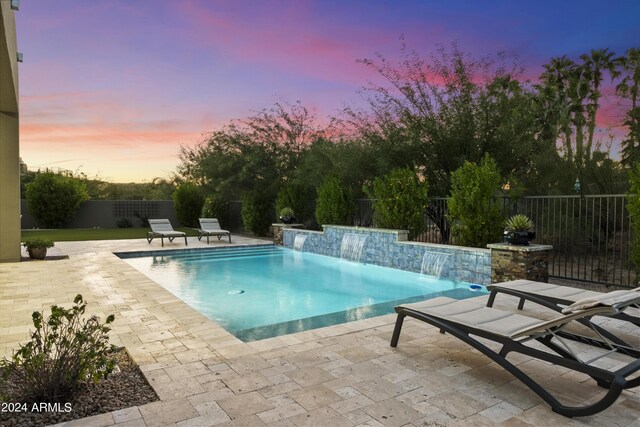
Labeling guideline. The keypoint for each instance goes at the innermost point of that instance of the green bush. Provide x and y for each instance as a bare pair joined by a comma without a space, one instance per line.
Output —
634,212
65,350
474,211
256,212
124,223
38,243
298,198
399,201
335,203
216,207
188,201
53,199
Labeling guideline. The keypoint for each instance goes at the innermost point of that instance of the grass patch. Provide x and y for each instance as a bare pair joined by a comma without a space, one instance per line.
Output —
79,234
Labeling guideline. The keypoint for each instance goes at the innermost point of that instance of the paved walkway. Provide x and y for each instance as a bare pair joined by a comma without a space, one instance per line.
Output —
344,375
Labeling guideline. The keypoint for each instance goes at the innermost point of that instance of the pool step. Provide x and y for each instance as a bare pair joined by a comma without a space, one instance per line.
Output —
224,254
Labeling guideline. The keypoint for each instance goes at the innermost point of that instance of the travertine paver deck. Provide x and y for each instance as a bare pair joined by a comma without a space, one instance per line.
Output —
344,375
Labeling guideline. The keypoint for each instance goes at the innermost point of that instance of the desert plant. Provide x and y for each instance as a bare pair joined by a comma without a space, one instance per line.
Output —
335,203
474,211
65,350
287,212
257,212
519,222
188,201
53,199
634,213
399,201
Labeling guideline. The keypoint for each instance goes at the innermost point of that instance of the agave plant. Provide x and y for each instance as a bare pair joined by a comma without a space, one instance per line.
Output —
519,222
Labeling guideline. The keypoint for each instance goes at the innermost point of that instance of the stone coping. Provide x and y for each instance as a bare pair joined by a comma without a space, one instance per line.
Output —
519,248
366,229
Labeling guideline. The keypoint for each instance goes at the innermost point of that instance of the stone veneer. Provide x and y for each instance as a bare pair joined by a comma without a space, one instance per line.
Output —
278,229
512,262
390,248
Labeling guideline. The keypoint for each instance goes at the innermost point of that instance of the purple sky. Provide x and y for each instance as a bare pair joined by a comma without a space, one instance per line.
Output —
114,87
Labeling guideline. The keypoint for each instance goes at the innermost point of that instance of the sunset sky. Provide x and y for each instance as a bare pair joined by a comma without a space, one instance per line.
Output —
113,87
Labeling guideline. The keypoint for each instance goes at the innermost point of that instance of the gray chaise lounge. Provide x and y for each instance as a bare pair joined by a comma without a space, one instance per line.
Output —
468,319
162,228
211,227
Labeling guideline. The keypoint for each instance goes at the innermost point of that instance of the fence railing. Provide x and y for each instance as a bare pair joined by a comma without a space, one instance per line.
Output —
590,235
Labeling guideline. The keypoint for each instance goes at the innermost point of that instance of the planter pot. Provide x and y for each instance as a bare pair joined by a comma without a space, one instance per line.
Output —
287,219
37,253
518,237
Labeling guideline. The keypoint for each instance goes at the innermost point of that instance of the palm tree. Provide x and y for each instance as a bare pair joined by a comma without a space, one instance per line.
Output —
596,63
629,88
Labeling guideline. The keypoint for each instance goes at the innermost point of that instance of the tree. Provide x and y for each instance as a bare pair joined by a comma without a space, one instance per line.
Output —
400,201
53,199
188,201
628,88
256,212
634,213
335,203
474,211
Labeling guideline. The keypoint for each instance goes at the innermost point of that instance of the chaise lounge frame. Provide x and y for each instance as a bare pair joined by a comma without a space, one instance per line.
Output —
162,228
551,334
211,227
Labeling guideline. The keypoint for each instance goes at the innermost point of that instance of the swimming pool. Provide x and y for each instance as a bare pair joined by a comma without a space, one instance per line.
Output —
265,291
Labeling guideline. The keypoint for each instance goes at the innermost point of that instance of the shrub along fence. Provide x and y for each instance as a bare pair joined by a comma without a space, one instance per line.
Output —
591,235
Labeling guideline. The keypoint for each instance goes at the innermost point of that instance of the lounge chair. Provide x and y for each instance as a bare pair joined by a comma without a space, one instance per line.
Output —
555,297
211,227
162,228
468,319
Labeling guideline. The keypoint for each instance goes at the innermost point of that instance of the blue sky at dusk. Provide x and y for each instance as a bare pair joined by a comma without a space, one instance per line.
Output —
114,87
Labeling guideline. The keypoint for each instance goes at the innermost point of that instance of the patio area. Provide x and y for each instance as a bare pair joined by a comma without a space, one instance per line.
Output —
343,375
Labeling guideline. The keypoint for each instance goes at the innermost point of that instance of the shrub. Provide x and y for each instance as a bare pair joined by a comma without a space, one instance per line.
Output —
124,223
256,212
38,243
215,207
188,201
53,199
519,222
298,198
335,203
634,213
399,201
64,351
474,211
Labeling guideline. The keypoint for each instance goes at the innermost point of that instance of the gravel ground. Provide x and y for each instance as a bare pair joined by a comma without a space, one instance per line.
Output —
120,390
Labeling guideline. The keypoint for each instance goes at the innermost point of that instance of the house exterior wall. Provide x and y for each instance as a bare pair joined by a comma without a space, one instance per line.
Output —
9,138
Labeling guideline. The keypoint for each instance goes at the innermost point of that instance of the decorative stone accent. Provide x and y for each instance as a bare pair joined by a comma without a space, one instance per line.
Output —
511,262
390,248
278,230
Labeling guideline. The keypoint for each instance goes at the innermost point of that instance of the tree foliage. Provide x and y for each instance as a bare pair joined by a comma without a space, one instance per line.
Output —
634,212
335,203
257,212
400,201
474,211
53,199
188,201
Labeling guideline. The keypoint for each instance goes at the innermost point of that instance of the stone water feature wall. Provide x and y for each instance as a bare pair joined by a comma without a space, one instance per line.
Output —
390,248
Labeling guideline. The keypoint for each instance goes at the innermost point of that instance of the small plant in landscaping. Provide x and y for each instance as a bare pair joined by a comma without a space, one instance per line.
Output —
519,222
124,223
65,350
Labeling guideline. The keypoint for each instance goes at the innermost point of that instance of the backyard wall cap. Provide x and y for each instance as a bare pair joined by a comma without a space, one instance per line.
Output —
367,229
519,248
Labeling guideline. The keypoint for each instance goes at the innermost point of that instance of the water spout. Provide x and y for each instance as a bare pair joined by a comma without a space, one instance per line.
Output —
298,242
351,247
433,263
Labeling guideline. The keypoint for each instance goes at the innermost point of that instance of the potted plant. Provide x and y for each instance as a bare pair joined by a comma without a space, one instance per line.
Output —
37,248
287,215
518,230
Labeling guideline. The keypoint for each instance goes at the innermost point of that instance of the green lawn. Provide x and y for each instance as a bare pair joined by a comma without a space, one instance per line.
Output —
76,234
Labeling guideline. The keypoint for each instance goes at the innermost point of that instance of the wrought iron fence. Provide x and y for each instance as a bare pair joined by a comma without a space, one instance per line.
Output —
590,235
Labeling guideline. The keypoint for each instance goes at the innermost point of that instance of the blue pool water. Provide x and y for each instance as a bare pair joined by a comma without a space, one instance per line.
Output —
265,291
